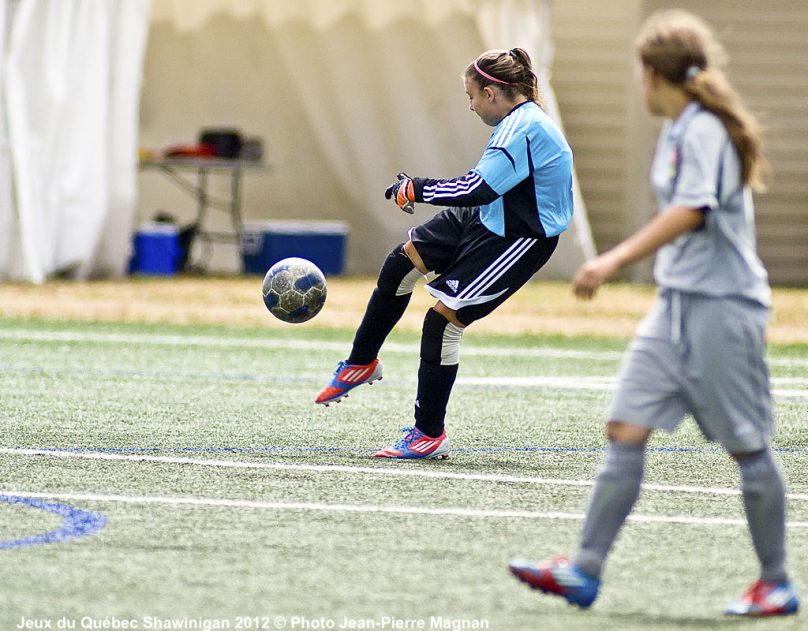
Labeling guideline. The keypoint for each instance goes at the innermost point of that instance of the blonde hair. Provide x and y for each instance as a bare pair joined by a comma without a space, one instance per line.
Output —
510,70
682,48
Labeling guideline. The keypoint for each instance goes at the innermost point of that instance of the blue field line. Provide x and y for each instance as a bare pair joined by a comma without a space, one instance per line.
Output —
76,522
280,449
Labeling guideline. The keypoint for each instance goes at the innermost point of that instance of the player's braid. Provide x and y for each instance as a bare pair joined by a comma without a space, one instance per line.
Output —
713,91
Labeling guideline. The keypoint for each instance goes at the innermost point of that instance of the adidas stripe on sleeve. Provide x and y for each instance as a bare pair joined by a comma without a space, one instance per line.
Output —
468,190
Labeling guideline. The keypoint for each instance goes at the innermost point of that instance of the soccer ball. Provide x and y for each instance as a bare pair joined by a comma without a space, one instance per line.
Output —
294,290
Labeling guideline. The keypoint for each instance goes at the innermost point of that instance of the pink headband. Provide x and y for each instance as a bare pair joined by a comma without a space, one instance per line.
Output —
489,77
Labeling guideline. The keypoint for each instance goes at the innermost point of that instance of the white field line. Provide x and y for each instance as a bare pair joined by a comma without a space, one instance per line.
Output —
569,383
234,342
369,508
534,381
591,382
414,473
608,384
313,345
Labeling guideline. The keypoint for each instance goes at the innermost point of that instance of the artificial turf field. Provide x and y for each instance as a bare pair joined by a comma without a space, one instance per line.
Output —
179,476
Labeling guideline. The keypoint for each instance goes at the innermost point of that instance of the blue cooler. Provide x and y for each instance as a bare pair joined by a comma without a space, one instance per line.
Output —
322,242
156,250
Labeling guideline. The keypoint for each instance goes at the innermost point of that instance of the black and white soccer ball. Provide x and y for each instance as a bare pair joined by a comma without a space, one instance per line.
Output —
294,290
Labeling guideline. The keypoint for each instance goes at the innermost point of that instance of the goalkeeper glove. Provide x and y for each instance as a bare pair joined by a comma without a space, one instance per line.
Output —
403,192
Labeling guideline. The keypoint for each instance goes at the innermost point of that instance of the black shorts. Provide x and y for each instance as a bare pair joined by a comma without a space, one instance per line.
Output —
478,270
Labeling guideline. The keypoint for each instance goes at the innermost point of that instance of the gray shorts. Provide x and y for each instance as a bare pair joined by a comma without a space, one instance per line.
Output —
705,356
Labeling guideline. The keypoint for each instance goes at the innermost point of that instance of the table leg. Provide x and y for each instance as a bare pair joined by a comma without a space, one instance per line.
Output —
235,209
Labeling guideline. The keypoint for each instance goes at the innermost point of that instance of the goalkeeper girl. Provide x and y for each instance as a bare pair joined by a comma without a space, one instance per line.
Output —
702,348
502,224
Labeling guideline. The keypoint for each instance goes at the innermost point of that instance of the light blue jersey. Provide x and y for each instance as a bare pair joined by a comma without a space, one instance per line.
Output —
523,181
529,164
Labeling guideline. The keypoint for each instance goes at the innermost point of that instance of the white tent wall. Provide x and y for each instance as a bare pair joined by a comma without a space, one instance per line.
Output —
71,81
526,24
128,44
8,217
345,93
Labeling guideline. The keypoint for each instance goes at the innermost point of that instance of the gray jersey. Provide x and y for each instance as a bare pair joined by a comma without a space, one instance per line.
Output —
696,166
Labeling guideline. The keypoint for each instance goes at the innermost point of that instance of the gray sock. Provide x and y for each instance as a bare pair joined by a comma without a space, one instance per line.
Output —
617,488
764,501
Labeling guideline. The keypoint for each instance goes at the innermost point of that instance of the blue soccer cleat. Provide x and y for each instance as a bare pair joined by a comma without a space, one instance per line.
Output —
765,598
416,445
346,378
560,577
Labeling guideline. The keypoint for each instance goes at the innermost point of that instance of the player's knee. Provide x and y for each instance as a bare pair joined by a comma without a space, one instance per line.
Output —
398,274
449,314
621,432
440,340
412,252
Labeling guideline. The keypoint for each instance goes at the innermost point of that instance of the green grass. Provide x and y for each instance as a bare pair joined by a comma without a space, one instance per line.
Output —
245,395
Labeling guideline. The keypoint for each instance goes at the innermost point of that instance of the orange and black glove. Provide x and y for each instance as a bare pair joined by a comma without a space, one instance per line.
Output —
403,192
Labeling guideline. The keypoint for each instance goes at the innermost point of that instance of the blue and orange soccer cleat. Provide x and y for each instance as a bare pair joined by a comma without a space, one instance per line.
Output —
415,445
765,598
560,577
346,378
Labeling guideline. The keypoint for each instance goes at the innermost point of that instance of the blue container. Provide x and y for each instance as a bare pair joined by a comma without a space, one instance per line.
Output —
322,242
156,250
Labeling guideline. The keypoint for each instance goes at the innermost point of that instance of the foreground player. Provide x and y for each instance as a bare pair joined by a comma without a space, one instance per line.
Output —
502,226
702,348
